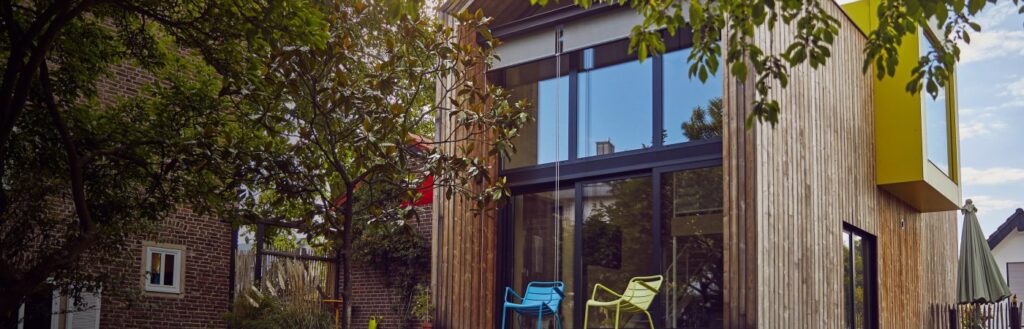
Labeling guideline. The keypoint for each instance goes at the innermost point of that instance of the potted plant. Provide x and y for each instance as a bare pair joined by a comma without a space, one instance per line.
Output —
422,307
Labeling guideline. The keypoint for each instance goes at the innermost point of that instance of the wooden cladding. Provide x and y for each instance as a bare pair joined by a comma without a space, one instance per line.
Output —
790,188
463,265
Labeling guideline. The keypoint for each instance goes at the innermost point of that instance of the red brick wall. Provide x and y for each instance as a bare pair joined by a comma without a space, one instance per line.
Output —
208,252
368,299
204,297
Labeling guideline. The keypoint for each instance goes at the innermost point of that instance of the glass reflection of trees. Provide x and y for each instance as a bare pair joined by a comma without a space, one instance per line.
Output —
705,121
692,247
617,230
856,287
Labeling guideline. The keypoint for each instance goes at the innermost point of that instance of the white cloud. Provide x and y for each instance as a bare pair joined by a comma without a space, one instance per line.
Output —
992,44
992,176
994,205
976,128
995,15
1016,88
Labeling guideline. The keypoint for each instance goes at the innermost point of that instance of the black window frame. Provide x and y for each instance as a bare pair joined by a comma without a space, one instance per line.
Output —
870,273
584,166
573,173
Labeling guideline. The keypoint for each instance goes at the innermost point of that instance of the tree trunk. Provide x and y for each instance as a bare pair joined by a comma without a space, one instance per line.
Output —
346,260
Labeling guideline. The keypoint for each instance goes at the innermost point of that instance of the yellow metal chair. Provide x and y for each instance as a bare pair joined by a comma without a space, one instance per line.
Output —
637,298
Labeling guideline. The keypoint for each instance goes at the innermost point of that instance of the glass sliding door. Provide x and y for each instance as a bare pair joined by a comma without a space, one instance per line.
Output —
543,241
617,242
691,248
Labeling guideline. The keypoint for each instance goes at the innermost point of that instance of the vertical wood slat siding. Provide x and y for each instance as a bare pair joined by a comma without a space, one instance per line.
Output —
464,248
795,185
740,250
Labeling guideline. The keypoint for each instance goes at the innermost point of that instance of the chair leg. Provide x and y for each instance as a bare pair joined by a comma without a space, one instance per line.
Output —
540,316
558,321
586,315
649,321
504,312
617,308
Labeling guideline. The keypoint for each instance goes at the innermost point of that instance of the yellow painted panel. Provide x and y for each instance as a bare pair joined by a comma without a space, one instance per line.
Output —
901,159
860,13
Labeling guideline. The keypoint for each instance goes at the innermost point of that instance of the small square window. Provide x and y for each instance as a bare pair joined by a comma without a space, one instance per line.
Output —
163,269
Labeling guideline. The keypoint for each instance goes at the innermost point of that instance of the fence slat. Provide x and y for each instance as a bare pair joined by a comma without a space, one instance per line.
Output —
1005,314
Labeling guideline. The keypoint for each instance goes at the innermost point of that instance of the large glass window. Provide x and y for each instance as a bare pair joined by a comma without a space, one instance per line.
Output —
543,243
936,113
544,139
858,279
692,109
615,101
617,232
691,230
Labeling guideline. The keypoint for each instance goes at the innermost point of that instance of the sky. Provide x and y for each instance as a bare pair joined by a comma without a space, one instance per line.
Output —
991,111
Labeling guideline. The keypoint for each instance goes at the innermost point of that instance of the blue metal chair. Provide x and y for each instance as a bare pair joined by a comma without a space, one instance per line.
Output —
541,299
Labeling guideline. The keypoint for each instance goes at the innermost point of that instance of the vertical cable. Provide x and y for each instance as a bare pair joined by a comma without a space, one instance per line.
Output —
558,164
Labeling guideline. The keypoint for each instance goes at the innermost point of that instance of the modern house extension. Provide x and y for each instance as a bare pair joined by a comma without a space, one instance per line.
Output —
843,215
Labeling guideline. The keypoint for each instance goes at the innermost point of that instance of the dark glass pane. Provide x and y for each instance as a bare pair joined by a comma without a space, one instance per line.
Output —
847,282
615,102
546,138
692,248
154,268
617,231
543,243
692,109
858,280
859,288
169,270
936,118
39,310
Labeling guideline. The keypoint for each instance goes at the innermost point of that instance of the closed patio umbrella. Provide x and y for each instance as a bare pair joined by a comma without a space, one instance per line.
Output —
978,277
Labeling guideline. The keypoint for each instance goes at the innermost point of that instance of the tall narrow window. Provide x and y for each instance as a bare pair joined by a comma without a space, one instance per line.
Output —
859,279
546,93
936,113
615,101
692,109
617,230
543,242
691,248
163,270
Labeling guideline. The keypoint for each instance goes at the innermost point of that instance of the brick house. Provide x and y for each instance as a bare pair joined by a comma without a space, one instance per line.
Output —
368,299
191,253
191,293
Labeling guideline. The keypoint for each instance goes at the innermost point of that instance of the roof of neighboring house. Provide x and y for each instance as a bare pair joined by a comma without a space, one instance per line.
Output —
1015,222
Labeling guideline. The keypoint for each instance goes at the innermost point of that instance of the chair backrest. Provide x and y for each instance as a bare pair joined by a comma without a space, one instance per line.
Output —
551,293
640,295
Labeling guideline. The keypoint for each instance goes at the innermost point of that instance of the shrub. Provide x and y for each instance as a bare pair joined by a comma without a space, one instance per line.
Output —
289,299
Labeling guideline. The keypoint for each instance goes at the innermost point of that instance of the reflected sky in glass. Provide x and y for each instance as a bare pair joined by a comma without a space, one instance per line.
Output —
936,119
615,105
683,94
547,137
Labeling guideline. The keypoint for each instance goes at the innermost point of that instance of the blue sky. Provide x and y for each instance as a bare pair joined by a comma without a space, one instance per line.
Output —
991,102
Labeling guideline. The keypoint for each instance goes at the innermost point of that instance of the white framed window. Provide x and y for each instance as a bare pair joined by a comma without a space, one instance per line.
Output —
57,311
163,269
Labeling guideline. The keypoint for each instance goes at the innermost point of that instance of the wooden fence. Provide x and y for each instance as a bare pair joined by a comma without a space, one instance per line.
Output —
312,274
1001,315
